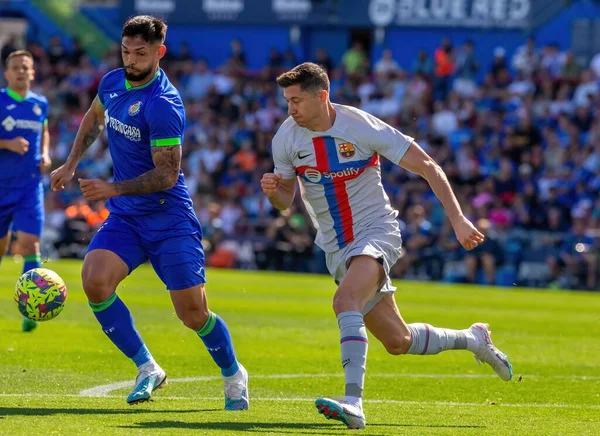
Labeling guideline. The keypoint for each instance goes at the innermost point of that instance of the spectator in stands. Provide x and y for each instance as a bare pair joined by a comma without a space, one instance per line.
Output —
77,53
499,62
526,58
386,65
443,69
595,65
423,65
571,69
8,47
199,81
355,61
587,89
487,256
417,235
56,50
466,70
578,256
552,60
322,58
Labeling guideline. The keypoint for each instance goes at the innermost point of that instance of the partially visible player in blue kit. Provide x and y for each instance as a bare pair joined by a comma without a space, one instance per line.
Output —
151,213
24,142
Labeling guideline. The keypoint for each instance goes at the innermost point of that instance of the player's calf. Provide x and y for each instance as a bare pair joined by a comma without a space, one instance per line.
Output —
397,345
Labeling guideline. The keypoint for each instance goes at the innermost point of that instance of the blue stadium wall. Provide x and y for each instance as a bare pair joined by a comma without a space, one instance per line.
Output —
212,42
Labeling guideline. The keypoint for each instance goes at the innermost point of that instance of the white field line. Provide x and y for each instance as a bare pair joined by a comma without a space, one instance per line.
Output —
104,390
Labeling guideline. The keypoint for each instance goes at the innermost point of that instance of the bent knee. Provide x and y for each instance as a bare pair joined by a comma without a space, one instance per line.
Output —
194,318
97,286
398,345
28,247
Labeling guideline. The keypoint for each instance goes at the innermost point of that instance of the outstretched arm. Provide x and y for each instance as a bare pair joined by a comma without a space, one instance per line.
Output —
89,130
417,161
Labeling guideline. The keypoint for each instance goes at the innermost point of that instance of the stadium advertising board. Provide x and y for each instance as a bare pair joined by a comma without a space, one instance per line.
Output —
358,13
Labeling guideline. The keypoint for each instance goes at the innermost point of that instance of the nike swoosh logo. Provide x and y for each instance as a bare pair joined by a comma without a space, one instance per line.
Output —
303,157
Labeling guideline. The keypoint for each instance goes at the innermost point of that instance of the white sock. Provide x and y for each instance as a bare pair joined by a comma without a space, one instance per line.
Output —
354,345
355,401
148,367
427,339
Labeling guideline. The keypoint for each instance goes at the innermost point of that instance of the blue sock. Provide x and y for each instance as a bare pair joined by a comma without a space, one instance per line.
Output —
215,336
117,323
31,262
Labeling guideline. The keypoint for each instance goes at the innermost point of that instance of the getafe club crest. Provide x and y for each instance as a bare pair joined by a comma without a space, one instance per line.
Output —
347,150
37,110
134,108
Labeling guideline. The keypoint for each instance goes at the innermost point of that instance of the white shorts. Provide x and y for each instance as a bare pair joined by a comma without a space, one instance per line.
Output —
382,243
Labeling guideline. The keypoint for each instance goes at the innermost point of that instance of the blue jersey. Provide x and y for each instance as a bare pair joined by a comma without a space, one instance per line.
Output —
23,117
137,119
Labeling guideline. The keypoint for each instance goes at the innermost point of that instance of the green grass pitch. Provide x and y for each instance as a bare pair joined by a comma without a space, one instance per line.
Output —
63,377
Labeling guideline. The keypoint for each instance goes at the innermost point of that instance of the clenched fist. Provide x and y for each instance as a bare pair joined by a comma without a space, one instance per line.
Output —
97,189
61,176
18,145
467,234
46,163
270,183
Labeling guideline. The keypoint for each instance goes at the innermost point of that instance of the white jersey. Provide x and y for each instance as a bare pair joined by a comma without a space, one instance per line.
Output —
340,174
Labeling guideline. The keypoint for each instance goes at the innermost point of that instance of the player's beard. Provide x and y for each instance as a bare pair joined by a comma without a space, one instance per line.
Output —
137,76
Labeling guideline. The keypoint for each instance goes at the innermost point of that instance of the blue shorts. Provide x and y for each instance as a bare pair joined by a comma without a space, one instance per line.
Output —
22,206
172,241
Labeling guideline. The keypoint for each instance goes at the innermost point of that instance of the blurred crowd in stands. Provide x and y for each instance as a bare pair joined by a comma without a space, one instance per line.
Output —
519,140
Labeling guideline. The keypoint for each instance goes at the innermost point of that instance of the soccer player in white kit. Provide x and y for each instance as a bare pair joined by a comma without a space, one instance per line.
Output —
334,151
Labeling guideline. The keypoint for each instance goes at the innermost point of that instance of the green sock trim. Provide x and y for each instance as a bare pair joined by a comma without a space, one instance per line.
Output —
36,257
208,326
99,307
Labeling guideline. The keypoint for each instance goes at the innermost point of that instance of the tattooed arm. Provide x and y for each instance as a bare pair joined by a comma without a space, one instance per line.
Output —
167,161
89,130
161,178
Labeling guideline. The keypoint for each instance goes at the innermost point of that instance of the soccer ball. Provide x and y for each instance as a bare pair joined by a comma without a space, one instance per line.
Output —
40,294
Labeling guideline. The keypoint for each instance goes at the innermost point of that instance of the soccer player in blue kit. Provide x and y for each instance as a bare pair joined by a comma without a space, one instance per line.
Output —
24,142
151,213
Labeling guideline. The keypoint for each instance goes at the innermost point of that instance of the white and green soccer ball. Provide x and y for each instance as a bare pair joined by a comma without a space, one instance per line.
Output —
40,294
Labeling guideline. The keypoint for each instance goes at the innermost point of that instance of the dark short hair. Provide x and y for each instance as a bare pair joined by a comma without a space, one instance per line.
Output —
311,78
150,28
19,53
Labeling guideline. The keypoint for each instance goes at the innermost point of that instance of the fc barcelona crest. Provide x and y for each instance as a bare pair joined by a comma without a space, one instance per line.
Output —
347,150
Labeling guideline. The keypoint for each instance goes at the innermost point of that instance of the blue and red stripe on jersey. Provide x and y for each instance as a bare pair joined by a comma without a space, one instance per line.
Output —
327,162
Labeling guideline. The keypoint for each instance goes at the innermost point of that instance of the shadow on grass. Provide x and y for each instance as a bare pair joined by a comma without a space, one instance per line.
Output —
38,411
270,427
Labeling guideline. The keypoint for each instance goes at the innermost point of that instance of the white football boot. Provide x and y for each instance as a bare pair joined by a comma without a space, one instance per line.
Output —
150,377
350,414
488,353
236,390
